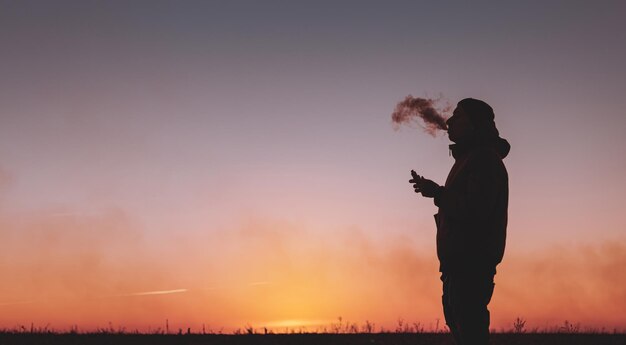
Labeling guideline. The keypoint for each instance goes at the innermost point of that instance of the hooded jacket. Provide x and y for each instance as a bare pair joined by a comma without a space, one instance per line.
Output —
473,203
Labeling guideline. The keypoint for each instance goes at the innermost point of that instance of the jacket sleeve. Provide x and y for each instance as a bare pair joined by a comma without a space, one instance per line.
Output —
475,203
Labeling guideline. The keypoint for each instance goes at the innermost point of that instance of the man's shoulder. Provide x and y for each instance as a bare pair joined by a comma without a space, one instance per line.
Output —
485,154
486,159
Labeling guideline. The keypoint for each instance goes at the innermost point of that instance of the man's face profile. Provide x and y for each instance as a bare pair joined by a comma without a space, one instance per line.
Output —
459,125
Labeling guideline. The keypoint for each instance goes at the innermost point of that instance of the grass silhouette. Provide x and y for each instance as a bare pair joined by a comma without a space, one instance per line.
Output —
306,338
341,332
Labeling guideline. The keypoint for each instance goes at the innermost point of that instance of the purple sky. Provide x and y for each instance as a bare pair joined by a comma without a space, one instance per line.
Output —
141,104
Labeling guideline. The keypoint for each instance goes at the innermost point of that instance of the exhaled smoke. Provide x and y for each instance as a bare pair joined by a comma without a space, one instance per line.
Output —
412,108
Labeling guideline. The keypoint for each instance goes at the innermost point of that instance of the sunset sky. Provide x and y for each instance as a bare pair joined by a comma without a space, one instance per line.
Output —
234,162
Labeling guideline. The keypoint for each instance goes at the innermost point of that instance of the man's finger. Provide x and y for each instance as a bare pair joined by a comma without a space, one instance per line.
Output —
417,190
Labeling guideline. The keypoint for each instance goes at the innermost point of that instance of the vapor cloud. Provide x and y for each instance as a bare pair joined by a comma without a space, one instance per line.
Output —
427,110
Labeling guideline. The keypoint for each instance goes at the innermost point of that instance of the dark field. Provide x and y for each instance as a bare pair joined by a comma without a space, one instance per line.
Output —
305,339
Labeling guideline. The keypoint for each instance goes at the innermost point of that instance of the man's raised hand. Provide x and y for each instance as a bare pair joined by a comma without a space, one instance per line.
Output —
428,188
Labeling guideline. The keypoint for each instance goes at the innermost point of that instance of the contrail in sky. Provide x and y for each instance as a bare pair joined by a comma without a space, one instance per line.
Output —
167,292
158,292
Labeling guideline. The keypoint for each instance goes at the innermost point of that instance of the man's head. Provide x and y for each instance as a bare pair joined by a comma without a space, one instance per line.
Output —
471,118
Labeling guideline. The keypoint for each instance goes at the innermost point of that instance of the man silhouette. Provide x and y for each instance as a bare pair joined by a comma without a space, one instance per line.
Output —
472,218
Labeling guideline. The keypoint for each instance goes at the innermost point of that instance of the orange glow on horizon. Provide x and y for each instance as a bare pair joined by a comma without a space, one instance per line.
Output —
277,275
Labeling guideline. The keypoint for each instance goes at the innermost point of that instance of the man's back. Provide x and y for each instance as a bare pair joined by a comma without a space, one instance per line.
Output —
472,217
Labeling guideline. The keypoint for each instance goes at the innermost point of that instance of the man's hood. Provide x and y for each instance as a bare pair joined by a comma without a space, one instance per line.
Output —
502,146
